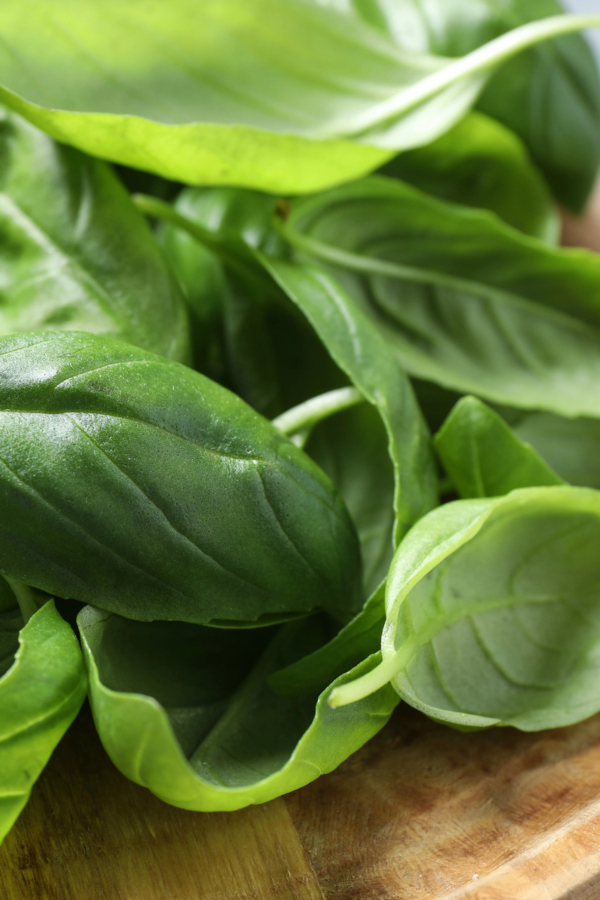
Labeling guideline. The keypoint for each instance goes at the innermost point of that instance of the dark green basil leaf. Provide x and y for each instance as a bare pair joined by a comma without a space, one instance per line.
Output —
483,457
75,254
279,95
229,312
360,352
493,612
464,300
355,642
187,711
42,687
281,354
132,481
480,163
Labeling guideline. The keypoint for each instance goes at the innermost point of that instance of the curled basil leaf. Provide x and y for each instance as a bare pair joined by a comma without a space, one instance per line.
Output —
549,95
132,481
42,687
187,711
279,95
75,254
493,612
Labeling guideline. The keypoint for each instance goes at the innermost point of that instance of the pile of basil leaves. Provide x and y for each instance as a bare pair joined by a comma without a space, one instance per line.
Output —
299,399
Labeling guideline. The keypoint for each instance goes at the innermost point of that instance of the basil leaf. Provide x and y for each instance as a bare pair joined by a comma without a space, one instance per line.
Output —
215,736
281,354
359,351
480,163
231,309
262,95
493,613
568,446
355,642
549,95
483,457
42,687
75,254
132,481
476,307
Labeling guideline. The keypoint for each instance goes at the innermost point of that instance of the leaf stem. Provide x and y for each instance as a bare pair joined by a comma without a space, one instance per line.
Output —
302,418
365,685
397,662
25,598
158,209
481,60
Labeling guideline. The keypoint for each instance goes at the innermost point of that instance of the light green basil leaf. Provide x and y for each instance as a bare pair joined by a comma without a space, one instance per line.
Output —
549,95
483,457
132,481
281,354
493,612
75,254
481,163
42,687
264,94
464,300
187,711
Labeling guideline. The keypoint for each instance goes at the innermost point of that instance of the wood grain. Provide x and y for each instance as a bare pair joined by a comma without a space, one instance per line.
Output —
421,813
89,834
426,813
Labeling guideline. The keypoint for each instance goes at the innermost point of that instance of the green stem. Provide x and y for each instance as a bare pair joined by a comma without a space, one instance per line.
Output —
305,416
392,665
481,60
158,209
248,266
25,598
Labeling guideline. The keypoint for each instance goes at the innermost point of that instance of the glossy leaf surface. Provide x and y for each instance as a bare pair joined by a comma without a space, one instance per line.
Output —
262,94
465,301
42,687
281,354
216,736
75,254
493,611
484,457
135,482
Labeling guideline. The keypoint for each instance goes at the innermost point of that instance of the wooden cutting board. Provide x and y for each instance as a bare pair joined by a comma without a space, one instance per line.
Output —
420,813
